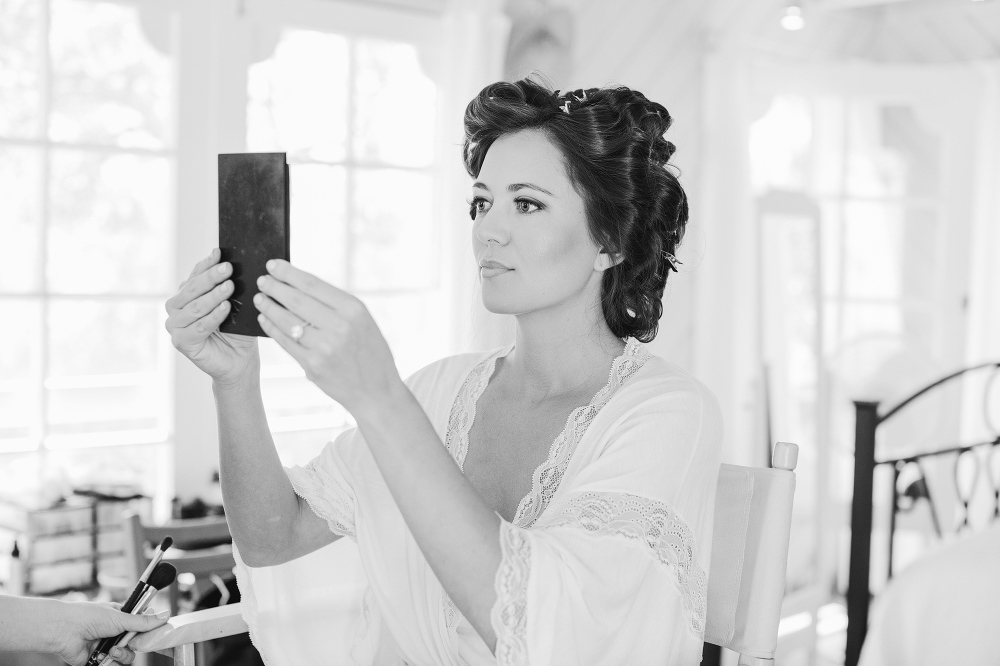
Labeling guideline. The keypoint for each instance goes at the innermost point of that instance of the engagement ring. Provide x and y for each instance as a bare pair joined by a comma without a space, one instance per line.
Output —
299,330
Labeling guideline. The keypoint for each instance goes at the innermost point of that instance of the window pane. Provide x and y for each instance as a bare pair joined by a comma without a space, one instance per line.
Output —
411,324
394,105
891,154
393,234
21,194
864,320
780,143
109,85
319,235
923,254
110,223
21,67
291,401
147,468
298,98
872,250
19,366
107,367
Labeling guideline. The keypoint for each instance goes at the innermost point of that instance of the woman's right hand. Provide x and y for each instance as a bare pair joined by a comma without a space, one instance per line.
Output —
195,313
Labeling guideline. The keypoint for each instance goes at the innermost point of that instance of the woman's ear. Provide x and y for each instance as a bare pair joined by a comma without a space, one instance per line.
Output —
605,260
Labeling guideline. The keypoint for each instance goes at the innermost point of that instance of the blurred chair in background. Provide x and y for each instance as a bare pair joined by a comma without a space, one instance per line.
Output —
202,548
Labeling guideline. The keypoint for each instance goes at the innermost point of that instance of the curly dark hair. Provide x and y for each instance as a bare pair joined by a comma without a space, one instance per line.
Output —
616,157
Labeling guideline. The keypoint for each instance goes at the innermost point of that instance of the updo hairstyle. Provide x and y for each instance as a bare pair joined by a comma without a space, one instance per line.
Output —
611,140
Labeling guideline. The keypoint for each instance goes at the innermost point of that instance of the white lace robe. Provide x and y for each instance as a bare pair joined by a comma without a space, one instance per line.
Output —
605,562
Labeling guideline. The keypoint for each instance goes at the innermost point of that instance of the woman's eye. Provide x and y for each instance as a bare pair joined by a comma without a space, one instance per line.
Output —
478,205
526,206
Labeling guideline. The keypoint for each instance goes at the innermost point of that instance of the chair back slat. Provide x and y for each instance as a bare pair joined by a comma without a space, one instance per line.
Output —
746,581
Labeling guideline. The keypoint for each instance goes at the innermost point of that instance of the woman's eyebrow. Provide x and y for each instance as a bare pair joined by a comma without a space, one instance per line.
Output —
514,187
480,186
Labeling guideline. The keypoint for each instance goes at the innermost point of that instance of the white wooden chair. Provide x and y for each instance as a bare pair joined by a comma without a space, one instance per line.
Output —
746,580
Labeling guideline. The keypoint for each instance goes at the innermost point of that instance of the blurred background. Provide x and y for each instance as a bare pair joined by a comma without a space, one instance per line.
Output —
842,158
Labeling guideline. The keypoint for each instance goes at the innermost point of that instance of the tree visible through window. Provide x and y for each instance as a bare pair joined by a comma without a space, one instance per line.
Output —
86,161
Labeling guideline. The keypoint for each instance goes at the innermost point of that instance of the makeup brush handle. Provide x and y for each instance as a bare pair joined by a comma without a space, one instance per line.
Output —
125,638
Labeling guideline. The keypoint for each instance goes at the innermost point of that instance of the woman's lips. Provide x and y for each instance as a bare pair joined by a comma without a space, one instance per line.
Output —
490,271
490,268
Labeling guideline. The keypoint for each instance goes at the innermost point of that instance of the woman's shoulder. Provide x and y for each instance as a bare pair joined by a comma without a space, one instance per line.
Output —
661,381
662,399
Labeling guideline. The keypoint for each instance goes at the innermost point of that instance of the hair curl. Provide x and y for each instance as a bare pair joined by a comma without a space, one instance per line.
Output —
616,156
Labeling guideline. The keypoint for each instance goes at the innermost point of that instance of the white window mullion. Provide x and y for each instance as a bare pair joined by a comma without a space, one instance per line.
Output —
40,426
349,209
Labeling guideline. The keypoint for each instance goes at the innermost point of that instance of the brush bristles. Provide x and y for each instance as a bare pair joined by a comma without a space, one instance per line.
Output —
166,543
163,575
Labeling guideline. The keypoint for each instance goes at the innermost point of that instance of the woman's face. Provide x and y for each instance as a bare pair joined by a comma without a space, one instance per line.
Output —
530,232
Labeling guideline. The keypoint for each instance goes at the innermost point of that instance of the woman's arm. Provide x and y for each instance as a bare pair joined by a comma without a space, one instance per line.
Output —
456,530
345,355
269,522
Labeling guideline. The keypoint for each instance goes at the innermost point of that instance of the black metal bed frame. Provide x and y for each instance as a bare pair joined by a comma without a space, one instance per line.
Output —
868,421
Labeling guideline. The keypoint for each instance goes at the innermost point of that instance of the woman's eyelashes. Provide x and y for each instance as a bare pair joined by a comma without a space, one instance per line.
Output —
525,205
522,205
478,205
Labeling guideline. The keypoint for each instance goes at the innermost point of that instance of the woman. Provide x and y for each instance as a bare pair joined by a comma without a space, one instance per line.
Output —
576,525
68,630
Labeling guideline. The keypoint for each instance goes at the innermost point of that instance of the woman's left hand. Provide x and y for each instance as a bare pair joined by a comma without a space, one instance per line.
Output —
329,332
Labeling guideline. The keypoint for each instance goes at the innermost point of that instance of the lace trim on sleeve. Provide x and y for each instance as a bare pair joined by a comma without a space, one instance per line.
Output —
508,617
248,600
652,524
548,475
324,496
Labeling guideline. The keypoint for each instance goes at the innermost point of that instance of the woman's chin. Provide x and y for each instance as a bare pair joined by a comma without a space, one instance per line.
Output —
498,307
500,303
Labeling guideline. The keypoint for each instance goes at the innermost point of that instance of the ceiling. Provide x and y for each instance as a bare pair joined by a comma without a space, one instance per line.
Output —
914,31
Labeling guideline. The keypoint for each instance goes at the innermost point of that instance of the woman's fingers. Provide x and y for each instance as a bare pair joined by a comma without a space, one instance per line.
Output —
203,305
202,266
279,298
122,655
308,283
198,285
201,328
280,335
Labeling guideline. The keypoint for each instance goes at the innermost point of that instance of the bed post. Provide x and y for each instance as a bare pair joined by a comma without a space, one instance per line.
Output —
858,595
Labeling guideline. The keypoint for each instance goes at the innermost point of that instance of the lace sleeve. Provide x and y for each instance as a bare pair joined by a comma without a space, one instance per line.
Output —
601,576
327,497
508,616
656,527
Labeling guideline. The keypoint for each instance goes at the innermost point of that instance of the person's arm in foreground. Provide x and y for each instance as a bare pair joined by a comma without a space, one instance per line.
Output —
269,523
69,630
345,355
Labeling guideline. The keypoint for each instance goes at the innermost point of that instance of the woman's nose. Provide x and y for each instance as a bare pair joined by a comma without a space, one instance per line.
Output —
492,228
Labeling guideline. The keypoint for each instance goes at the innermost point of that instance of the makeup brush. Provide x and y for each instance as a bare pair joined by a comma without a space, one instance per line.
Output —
162,576
140,587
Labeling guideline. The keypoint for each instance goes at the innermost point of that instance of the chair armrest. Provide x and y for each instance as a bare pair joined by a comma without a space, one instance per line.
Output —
191,628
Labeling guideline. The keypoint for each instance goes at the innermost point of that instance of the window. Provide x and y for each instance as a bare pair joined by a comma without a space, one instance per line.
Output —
86,171
356,116
862,288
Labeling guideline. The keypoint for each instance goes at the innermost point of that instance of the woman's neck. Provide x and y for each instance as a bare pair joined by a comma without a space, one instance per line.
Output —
554,355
